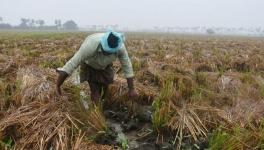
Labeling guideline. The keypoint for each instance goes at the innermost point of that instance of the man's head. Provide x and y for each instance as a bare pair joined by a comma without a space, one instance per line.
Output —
112,41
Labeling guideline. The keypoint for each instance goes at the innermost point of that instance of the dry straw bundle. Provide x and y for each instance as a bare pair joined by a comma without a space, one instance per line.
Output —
175,111
118,93
7,65
42,120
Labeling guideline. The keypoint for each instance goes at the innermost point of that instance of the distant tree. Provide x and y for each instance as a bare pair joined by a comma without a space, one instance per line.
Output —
32,23
58,23
210,31
1,19
258,30
41,23
37,22
24,23
70,25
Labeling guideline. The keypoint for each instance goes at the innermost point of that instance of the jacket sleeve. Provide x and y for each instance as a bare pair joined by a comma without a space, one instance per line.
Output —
84,51
125,62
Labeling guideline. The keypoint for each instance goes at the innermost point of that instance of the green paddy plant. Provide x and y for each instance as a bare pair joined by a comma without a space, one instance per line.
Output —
185,86
250,137
92,116
5,93
201,79
30,53
173,110
261,91
137,63
97,120
197,53
218,139
52,64
6,144
161,114
247,78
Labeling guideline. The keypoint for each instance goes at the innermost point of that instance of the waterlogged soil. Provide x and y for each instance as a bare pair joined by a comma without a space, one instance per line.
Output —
135,132
132,132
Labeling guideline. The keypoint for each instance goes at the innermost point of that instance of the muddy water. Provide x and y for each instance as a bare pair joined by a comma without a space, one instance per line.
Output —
132,132
125,130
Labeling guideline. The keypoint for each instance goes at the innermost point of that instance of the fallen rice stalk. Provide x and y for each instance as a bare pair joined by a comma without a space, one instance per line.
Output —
44,120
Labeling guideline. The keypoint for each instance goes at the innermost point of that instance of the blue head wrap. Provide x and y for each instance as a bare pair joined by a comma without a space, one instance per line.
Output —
105,45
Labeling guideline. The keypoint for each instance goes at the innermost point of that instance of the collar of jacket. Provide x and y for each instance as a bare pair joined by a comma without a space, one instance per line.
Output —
99,50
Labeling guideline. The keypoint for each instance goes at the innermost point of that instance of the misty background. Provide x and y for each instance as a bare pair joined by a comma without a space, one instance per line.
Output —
241,16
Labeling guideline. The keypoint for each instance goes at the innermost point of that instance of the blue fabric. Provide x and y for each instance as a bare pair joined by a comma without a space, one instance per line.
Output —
105,43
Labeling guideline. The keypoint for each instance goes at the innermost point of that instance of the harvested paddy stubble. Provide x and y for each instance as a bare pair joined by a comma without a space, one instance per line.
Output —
205,92
40,119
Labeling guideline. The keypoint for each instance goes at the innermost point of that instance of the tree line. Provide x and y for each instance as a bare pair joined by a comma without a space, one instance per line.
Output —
39,24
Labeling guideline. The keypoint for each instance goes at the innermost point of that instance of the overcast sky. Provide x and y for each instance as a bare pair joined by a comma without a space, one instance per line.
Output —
139,13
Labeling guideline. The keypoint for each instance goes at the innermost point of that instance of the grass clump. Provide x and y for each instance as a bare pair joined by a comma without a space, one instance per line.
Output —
7,143
247,78
161,114
250,137
137,64
6,91
201,79
261,91
174,110
30,53
218,139
53,64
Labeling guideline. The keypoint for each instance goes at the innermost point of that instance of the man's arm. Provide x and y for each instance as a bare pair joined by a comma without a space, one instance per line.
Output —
85,51
61,78
128,71
131,91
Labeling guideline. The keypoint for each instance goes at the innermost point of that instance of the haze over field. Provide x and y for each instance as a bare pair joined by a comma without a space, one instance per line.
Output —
189,74
139,13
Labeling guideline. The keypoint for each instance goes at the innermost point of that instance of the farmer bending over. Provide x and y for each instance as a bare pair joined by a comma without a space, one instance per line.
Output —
96,56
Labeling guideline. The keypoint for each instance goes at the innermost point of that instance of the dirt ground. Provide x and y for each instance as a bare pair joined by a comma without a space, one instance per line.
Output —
195,92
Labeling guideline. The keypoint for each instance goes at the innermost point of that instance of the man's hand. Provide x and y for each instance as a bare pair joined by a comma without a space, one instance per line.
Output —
58,88
132,93
131,90
62,75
